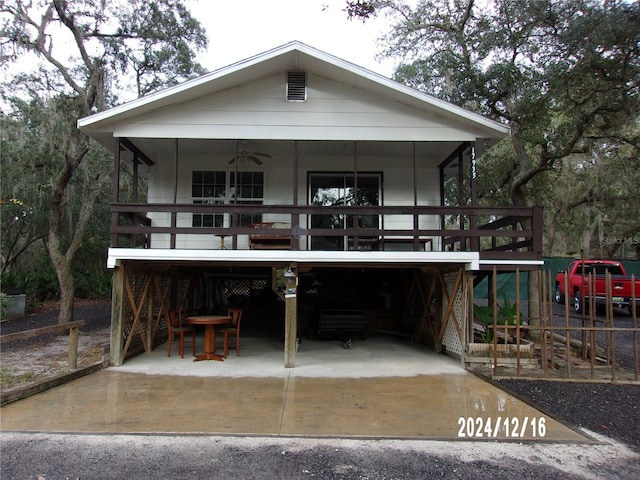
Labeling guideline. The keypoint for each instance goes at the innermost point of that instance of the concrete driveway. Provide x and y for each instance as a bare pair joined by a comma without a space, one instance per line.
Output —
383,387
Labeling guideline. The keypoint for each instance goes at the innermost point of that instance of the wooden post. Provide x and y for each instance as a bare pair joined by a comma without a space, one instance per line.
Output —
592,324
116,357
495,320
468,330
176,172
461,200
437,341
545,309
567,288
115,193
290,320
476,150
633,310
73,348
295,217
517,321
537,226
610,324
74,332
150,330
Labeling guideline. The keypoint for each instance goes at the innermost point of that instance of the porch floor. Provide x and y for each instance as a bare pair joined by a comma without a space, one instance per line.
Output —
383,387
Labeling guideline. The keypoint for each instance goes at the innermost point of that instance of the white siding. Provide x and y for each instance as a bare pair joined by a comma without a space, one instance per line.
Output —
397,187
333,111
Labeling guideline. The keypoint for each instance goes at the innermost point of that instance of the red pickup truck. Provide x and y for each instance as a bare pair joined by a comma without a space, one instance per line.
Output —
579,271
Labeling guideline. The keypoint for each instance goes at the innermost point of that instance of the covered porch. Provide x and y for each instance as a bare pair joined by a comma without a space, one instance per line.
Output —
314,196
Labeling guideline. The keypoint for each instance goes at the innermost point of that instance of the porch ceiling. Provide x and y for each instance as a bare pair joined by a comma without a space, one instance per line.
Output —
161,148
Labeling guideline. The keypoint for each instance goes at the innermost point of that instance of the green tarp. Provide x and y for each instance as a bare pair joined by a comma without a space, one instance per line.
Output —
506,282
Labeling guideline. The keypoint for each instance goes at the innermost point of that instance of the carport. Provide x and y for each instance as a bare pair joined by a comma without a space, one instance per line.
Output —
425,299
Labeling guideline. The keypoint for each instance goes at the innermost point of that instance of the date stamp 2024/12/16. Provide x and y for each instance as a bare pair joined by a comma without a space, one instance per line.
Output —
502,427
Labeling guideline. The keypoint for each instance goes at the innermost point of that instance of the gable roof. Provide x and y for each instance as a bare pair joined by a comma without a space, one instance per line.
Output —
294,55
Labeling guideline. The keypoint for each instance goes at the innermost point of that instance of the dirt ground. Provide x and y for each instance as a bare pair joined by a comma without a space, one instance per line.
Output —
25,362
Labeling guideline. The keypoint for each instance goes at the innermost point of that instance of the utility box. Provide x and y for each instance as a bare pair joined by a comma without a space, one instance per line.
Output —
15,306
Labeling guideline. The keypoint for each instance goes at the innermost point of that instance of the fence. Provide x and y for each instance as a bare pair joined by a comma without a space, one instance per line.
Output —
73,328
12,395
598,344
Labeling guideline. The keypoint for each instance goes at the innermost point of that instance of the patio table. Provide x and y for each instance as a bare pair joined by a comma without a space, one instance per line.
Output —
209,322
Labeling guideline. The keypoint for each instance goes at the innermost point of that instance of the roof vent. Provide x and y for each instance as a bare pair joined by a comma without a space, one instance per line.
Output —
296,86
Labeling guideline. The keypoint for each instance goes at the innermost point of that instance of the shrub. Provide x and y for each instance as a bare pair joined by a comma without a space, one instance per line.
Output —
507,315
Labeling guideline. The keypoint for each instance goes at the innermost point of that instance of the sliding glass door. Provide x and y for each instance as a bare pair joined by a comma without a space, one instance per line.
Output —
330,189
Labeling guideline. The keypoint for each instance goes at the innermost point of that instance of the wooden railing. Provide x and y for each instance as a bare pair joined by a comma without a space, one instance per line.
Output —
74,331
503,232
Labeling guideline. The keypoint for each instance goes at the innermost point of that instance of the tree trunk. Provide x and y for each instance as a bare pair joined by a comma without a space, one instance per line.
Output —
67,291
61,257
519,198
62,266
533,293
550,238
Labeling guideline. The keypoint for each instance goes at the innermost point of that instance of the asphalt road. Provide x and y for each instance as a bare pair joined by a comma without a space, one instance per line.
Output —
29,456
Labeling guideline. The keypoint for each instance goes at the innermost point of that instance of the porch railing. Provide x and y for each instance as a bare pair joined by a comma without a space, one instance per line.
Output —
498,233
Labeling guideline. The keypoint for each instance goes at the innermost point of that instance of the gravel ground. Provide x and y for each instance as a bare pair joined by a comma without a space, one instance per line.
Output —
610,410
96,314
621,341
49,457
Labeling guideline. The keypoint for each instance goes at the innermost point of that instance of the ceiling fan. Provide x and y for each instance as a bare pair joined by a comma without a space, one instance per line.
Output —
253,156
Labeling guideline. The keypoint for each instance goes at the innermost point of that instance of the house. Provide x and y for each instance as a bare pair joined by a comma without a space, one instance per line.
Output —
295,161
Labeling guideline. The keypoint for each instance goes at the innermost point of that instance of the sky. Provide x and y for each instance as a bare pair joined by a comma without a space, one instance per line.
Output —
240,29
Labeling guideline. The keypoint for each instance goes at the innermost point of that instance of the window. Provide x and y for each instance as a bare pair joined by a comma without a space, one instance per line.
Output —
251,192
220,187
339,189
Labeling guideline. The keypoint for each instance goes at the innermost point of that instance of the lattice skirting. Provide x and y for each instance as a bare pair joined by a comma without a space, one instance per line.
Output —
455,303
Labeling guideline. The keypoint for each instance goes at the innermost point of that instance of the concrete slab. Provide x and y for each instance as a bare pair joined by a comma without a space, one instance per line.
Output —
383,387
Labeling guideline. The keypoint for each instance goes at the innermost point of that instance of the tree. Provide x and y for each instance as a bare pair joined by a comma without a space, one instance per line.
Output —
22,219
87,50
564,74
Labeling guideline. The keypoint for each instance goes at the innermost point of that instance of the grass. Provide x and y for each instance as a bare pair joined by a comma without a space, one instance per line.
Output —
10,379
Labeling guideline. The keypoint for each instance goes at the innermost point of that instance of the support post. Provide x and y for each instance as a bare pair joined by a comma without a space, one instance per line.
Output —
150,330
468,328
290,319
176,166
437,340
475,151
117,317
73,348
115,193
295,218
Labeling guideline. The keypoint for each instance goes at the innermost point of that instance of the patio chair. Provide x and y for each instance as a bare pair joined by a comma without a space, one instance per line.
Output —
176,328
233,329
